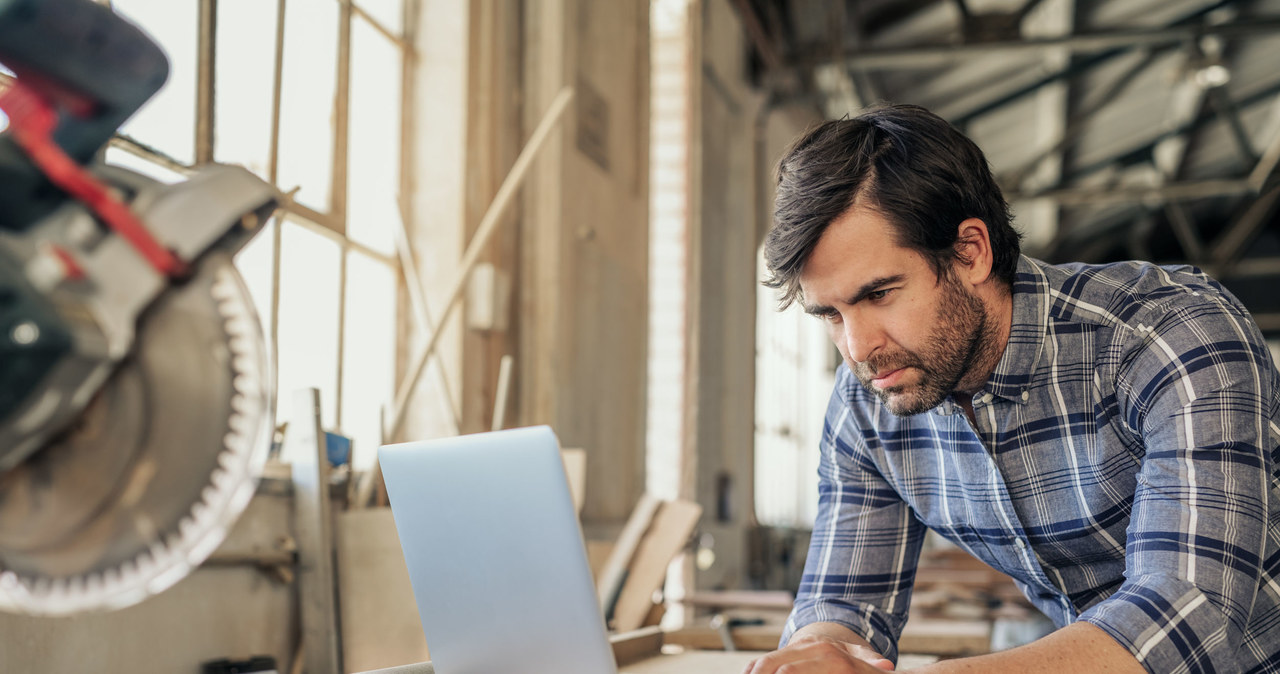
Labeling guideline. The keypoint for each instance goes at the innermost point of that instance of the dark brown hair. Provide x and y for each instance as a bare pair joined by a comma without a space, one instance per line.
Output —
907,163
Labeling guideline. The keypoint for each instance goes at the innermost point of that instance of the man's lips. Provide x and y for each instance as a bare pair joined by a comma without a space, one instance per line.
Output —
890,378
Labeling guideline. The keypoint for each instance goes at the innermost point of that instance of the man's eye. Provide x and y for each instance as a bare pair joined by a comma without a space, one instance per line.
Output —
877,295
831,317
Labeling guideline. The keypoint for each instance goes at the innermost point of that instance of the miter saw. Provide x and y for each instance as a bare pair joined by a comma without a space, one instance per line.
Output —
135,387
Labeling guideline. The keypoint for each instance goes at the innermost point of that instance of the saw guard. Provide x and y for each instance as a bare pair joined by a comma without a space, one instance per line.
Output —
146,484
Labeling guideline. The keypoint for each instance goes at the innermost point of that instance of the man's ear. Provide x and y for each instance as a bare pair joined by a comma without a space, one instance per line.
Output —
973,249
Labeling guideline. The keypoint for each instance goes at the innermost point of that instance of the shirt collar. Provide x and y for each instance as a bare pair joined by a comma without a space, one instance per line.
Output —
1012,376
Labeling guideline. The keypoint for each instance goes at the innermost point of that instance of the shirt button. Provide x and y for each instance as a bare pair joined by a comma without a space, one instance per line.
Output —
987,398
1021,544
1025,395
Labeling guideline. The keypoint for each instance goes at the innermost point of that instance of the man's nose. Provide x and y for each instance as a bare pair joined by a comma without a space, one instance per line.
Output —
861,338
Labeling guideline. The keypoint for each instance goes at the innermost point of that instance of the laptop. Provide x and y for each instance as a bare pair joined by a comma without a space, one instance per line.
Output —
495,554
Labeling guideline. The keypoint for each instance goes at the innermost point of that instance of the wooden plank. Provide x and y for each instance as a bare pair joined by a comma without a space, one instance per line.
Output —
946,637
745,638
703,662
711,662
609,581
753,599
575,468
672,526
598,553
635,646
380,625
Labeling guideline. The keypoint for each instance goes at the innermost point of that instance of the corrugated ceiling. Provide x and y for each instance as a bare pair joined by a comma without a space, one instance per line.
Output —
1119,128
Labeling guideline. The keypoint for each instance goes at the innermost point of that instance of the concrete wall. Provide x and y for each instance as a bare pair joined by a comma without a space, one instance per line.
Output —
722,289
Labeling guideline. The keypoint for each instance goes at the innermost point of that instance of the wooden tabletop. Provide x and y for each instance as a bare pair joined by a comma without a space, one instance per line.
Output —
721,662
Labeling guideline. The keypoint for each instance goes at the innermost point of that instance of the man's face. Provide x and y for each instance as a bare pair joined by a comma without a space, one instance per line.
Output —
908,336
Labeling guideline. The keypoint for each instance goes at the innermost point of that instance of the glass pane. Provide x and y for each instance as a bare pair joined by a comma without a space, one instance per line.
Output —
168,121
794,376
243,83
117,157
388,13
254,263
369,354
306,104
308,341
373,164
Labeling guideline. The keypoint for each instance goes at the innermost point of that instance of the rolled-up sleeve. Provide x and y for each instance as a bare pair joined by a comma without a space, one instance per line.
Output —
1199,389
866,541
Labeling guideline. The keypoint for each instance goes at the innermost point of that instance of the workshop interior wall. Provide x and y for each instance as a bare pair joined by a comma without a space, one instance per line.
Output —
583,266
738,138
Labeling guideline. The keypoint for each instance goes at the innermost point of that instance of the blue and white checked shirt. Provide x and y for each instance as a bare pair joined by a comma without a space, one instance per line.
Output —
1123,470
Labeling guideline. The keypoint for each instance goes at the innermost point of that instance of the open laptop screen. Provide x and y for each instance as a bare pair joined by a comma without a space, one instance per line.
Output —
495,554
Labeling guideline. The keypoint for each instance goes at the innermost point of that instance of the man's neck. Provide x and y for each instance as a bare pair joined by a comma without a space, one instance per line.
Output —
999,302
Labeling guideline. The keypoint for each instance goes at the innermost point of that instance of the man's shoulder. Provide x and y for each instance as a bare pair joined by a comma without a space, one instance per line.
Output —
1120,295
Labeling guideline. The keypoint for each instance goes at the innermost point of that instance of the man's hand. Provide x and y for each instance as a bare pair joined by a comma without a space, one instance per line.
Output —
821,654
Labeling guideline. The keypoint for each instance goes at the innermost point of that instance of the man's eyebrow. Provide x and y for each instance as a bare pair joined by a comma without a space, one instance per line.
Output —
818,309
874,285
861,294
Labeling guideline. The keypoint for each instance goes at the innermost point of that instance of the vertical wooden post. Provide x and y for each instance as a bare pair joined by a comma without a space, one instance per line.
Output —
314,533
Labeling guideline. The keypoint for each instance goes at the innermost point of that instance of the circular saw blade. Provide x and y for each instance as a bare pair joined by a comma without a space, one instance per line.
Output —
146,483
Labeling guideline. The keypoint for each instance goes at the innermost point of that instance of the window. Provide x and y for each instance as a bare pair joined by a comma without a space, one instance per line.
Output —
795,372
668,243
300,92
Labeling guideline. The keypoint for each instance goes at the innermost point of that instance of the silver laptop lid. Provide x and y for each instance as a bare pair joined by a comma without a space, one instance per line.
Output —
495,554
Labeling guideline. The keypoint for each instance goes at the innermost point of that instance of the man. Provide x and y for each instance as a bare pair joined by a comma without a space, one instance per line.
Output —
1106,435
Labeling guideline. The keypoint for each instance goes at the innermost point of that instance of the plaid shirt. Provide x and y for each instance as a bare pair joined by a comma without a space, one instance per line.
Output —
1122,469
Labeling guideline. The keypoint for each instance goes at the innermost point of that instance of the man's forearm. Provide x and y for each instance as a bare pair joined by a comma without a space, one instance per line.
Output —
1080,647
831,630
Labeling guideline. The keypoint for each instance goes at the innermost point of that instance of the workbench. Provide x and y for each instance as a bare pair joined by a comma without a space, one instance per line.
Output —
689,662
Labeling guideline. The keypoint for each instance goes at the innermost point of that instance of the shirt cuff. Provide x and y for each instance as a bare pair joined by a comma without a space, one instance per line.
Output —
880,629
1169,625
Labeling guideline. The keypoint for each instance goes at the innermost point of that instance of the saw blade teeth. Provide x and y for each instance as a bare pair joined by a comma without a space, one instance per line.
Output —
130,569
222,292
222,481
161,551
186,530
242,363
242,382
158,556
57,591
228,460
242,405
177,547
93,583
201,510
67,590
239,424
251,387
240,329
